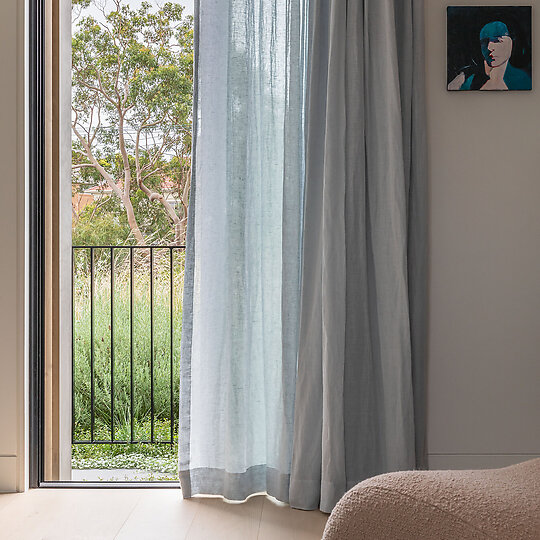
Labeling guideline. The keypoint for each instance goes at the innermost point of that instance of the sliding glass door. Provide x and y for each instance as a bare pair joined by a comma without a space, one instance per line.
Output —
110,194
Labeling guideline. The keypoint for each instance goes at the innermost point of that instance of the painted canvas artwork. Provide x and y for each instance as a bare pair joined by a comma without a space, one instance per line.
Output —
489,48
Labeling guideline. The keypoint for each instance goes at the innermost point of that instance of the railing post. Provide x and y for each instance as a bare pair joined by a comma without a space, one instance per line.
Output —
152,344
131,395
112,343
72,346
171,337
92,419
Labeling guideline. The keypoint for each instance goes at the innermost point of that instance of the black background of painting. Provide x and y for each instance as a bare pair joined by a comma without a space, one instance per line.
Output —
463,35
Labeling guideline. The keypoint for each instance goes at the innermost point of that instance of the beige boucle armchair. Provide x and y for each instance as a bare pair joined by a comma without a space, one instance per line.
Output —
442,505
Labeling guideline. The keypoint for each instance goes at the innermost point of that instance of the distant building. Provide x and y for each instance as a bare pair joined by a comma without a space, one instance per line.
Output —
80,200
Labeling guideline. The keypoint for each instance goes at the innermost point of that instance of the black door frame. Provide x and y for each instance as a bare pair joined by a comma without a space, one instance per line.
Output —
36,200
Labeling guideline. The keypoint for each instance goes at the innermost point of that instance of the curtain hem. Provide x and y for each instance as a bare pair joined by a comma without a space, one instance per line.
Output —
235,486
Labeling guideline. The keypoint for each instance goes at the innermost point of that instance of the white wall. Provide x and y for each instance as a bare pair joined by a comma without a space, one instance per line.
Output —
12,180
484,350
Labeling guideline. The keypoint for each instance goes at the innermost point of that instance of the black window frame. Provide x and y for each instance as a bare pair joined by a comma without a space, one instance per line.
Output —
36,200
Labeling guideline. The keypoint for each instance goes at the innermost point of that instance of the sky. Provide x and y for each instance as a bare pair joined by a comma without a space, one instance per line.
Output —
188,4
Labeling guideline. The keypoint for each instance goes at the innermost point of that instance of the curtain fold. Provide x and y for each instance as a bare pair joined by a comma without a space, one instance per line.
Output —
242,277
359,407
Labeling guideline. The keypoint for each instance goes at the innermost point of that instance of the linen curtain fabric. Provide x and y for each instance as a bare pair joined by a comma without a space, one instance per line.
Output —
302,366
242,276
359,400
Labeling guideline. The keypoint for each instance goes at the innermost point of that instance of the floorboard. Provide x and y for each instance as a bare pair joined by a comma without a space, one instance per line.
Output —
148,514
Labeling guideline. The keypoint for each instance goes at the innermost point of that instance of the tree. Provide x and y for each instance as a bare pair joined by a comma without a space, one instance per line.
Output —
132,80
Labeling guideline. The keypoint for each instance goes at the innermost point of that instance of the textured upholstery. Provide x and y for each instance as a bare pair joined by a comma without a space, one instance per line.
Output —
442,505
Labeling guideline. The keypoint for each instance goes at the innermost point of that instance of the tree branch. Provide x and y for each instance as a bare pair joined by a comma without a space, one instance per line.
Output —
81,165
95,163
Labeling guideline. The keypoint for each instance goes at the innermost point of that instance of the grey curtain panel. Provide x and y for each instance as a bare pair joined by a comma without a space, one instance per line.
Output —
242,277
302,365
360,391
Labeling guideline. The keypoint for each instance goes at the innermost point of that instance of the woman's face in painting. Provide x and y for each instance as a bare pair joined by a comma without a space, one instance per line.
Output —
496,43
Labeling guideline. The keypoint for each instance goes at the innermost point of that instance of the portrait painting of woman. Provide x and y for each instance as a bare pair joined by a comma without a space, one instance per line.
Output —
489,48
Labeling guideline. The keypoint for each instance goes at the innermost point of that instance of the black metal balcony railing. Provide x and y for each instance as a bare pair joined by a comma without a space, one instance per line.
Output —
130,258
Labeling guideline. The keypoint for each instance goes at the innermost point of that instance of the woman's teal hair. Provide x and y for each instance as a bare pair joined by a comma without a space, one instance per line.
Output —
494,30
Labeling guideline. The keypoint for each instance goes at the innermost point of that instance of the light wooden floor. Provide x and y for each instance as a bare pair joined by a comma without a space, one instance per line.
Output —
161,514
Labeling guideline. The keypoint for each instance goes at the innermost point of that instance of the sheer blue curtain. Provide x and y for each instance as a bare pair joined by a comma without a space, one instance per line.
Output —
242,283
303,346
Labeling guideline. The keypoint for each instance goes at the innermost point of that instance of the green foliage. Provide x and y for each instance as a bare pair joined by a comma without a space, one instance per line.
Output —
145,55
101,224
121,353
161,458
105,223
132,99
